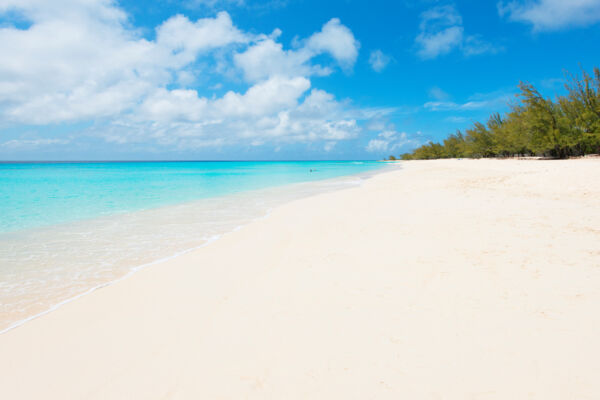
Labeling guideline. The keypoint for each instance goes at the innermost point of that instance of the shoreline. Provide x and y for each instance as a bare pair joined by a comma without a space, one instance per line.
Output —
443,279
334,184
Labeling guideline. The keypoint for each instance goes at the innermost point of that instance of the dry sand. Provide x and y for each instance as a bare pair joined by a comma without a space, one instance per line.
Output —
443,280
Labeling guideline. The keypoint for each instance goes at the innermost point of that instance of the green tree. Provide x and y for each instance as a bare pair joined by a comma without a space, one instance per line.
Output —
454,145
479,142
581,107
534,125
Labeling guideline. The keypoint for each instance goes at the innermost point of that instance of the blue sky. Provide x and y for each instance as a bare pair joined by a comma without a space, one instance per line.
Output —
280,79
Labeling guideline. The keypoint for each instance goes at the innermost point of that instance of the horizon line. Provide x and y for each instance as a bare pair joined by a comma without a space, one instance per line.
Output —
125,161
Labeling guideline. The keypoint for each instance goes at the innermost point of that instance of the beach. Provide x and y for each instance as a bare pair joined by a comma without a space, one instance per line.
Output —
447,279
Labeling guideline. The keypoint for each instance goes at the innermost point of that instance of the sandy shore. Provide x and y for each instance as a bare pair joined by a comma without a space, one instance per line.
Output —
443,280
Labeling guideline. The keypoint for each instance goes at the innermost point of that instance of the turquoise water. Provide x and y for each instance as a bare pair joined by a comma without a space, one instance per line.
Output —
41,194
69,228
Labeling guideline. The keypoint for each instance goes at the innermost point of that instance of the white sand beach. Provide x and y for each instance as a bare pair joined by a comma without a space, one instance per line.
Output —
452,279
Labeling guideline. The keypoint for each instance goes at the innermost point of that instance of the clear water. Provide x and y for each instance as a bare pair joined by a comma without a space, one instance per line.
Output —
38,194
66,228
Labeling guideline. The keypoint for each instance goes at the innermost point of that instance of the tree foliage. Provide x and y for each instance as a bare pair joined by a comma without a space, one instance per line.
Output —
535,125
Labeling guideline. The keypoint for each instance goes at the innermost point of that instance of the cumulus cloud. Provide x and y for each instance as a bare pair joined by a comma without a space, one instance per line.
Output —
83,61
184,39
378,60
337,40
389,141
268,57
187,120
80,66
441,31
547,15
263,98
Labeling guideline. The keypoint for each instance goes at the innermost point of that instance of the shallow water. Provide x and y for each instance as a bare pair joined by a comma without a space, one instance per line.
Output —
94,229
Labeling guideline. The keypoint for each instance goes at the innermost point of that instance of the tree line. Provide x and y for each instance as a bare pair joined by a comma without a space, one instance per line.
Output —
533,126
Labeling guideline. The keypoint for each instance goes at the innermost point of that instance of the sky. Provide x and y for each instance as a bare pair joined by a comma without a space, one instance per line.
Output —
272,79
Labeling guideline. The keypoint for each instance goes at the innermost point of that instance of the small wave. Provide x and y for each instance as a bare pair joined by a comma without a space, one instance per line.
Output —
56,265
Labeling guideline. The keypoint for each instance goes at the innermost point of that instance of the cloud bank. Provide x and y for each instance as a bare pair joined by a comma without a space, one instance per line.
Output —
80,61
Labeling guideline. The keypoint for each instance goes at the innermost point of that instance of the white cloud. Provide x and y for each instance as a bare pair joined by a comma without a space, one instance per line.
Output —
377,146
268,58
492,100
263,98
451,106
439,43
185,39
378,60
184,119
318,117
63,70
389,141
441,31
173,105
83,61
185,105
546,15
88,10
474,45
337,40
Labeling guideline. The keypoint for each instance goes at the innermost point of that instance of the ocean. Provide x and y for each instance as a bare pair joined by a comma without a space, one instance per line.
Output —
69,228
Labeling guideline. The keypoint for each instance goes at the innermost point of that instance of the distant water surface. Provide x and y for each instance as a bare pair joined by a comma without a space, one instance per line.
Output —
66,228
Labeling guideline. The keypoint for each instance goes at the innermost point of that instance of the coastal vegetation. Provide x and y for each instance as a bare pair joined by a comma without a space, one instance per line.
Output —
534,126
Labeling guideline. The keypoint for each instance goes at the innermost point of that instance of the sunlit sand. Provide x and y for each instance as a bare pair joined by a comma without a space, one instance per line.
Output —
472,279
